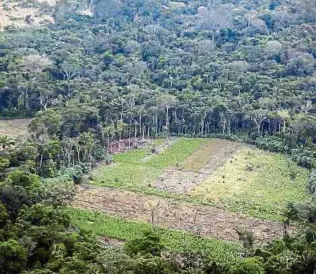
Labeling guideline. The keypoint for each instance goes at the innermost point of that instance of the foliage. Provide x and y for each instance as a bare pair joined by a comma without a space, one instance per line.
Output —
159,68
311,184
13,257
4,163
111,70
126,230
6,141
249,265
149,244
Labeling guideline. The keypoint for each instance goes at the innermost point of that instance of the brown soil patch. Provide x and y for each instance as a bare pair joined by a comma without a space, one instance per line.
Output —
203,220
14,127
212,155
200,157
104,240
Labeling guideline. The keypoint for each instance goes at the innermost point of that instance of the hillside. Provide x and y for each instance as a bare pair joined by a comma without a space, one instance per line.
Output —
159,136
23,13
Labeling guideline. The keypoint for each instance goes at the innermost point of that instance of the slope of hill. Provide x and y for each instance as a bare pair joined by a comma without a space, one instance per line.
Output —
24,13
107,76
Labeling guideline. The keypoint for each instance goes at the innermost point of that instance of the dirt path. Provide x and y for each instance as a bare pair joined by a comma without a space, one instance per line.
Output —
181,182
203,220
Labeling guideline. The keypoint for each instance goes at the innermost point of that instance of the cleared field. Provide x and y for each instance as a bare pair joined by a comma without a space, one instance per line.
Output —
212,153
200,157
232,184
197,167
130,170
198,219
14,127
214,172
256,182
126,230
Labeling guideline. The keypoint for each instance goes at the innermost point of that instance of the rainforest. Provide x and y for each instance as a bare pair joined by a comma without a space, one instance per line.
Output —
158,137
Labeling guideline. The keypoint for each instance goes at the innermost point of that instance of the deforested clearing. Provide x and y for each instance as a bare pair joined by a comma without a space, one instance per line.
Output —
228,175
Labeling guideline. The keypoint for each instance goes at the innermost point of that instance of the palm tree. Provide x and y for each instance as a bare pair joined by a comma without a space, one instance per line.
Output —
108,131
6,141
87,140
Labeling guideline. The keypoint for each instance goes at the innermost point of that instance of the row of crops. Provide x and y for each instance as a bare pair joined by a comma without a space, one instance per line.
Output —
126,230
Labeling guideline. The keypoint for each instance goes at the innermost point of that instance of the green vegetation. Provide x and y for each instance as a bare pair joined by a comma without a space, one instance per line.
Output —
106,70
255,182
131,172
127,230
32,216
125,69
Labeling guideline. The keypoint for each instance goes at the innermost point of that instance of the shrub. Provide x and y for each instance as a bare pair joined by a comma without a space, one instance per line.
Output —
311,184
149,244
249,265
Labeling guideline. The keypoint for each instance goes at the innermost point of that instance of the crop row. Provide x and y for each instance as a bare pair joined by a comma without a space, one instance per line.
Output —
174,240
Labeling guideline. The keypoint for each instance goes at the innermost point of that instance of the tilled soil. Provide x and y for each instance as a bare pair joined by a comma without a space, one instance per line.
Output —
203,220
181,182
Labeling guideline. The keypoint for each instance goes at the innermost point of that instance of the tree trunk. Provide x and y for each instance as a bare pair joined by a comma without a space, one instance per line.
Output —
140,124
108,144
167,121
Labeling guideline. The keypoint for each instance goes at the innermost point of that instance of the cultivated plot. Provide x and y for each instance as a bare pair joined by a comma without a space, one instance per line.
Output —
215,172
218,187
202,220
197,167
138,169
118,230
256,182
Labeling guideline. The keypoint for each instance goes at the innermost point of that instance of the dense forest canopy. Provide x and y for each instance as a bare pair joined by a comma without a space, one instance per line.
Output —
105,70
116,69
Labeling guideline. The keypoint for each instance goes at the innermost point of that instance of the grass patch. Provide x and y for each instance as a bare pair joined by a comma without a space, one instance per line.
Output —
176,154
175,240
130,172
255,182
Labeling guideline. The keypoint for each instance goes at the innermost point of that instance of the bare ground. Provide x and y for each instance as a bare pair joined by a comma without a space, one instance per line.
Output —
202,220
14,127
181,182
12,13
